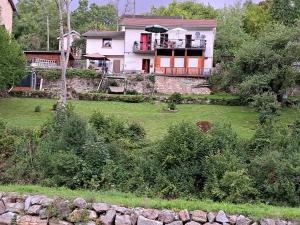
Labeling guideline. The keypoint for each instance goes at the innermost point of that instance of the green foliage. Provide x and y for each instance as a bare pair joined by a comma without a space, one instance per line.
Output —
285,11
54,74
172,105
80,43
266,102
176,98
187,10
12,61
38,108
30,26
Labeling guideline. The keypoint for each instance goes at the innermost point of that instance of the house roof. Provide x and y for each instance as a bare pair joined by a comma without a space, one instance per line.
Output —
11,2
169,22
46,53
105,34
95,56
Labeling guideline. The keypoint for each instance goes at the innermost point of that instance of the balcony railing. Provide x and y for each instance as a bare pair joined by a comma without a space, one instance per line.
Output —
148,47
184,71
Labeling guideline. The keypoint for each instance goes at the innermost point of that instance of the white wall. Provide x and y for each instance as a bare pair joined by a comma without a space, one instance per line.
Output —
6,15
65,39
94,45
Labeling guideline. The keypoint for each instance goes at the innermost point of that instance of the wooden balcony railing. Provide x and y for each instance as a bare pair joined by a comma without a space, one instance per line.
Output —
183,71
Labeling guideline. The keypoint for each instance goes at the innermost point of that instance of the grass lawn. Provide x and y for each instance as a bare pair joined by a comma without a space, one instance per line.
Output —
20,112
254,211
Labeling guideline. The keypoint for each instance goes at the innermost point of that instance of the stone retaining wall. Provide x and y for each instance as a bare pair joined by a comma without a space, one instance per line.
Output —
23,209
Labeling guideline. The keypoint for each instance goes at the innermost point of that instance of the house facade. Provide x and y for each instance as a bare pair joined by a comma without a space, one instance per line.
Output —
7,9
185,49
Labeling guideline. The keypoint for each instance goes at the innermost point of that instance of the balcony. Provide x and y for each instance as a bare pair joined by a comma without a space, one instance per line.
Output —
150,47
184,72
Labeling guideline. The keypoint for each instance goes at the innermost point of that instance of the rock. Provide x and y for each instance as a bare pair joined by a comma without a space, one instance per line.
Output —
199,216
145,221
166,216
193,223
1,195
31,220
280,222
242,220
175,223
37,200
6,218
267,222
119,209
2,207
255,223
43,214
100,207
221,217
184,215
150,214
79,203
86,223
122,220
79,215
108,218
214,223
59,222
211,217
62,207
134,216
232,219
15,207
34,209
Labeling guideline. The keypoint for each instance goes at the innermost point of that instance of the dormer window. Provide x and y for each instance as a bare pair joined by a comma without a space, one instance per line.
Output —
106,43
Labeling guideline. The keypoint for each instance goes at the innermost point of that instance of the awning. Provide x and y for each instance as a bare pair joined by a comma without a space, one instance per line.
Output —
96,56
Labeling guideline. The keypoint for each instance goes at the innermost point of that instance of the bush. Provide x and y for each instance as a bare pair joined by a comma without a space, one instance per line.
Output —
266,102
176,98
132,92
38,108
171,105
54,74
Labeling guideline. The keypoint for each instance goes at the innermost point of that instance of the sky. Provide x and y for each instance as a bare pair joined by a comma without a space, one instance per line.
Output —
145,5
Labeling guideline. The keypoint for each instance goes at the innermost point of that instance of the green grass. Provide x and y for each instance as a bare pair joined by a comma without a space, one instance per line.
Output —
20,112
255,211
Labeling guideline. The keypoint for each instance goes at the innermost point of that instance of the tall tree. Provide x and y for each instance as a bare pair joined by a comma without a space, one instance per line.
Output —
63,7
101,17
30,26
188,10
230,32
285,11
12,61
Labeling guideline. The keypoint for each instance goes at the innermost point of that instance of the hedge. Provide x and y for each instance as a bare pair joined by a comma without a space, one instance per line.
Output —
54,74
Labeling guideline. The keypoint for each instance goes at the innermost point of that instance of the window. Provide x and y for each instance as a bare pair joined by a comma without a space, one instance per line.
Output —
106,43
179,62
164,62
193,62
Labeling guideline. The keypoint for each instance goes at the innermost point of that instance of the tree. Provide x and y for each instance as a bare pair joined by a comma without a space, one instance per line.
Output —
63,7
230,32
285,11
256,17
12,61
102,17
187,10
30,26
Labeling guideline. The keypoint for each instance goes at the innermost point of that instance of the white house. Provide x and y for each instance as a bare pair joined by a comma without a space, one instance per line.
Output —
74,35
186,49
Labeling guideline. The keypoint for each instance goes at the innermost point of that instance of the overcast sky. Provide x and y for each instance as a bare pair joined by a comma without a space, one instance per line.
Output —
145,5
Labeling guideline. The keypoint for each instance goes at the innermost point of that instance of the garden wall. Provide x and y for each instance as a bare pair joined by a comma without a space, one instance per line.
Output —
40,210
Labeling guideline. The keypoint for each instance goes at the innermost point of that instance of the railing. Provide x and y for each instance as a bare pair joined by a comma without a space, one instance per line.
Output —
184,71
140,47
43,63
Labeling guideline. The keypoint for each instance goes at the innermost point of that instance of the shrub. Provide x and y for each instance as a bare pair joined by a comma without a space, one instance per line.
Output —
139,77
176,98
54,74
135,131
171,105
151,78
266,102
38,108
132,92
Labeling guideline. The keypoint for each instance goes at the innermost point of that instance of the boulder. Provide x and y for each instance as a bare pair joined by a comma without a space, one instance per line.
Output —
43,214
267,222
62,207
214,223
80,203
184,215
166,216
193,223
34,210
100,207
221,217
145,221
151,214
122,220
6,218
80,215
17,207
176,223
31,220
280,222
232,219
2,207
108,218
119,209
242,220
37,200
86,223
59,222
211,217
199,216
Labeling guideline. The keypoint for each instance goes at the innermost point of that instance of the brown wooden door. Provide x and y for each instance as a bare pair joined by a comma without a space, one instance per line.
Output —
146,65
188,41
116,65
